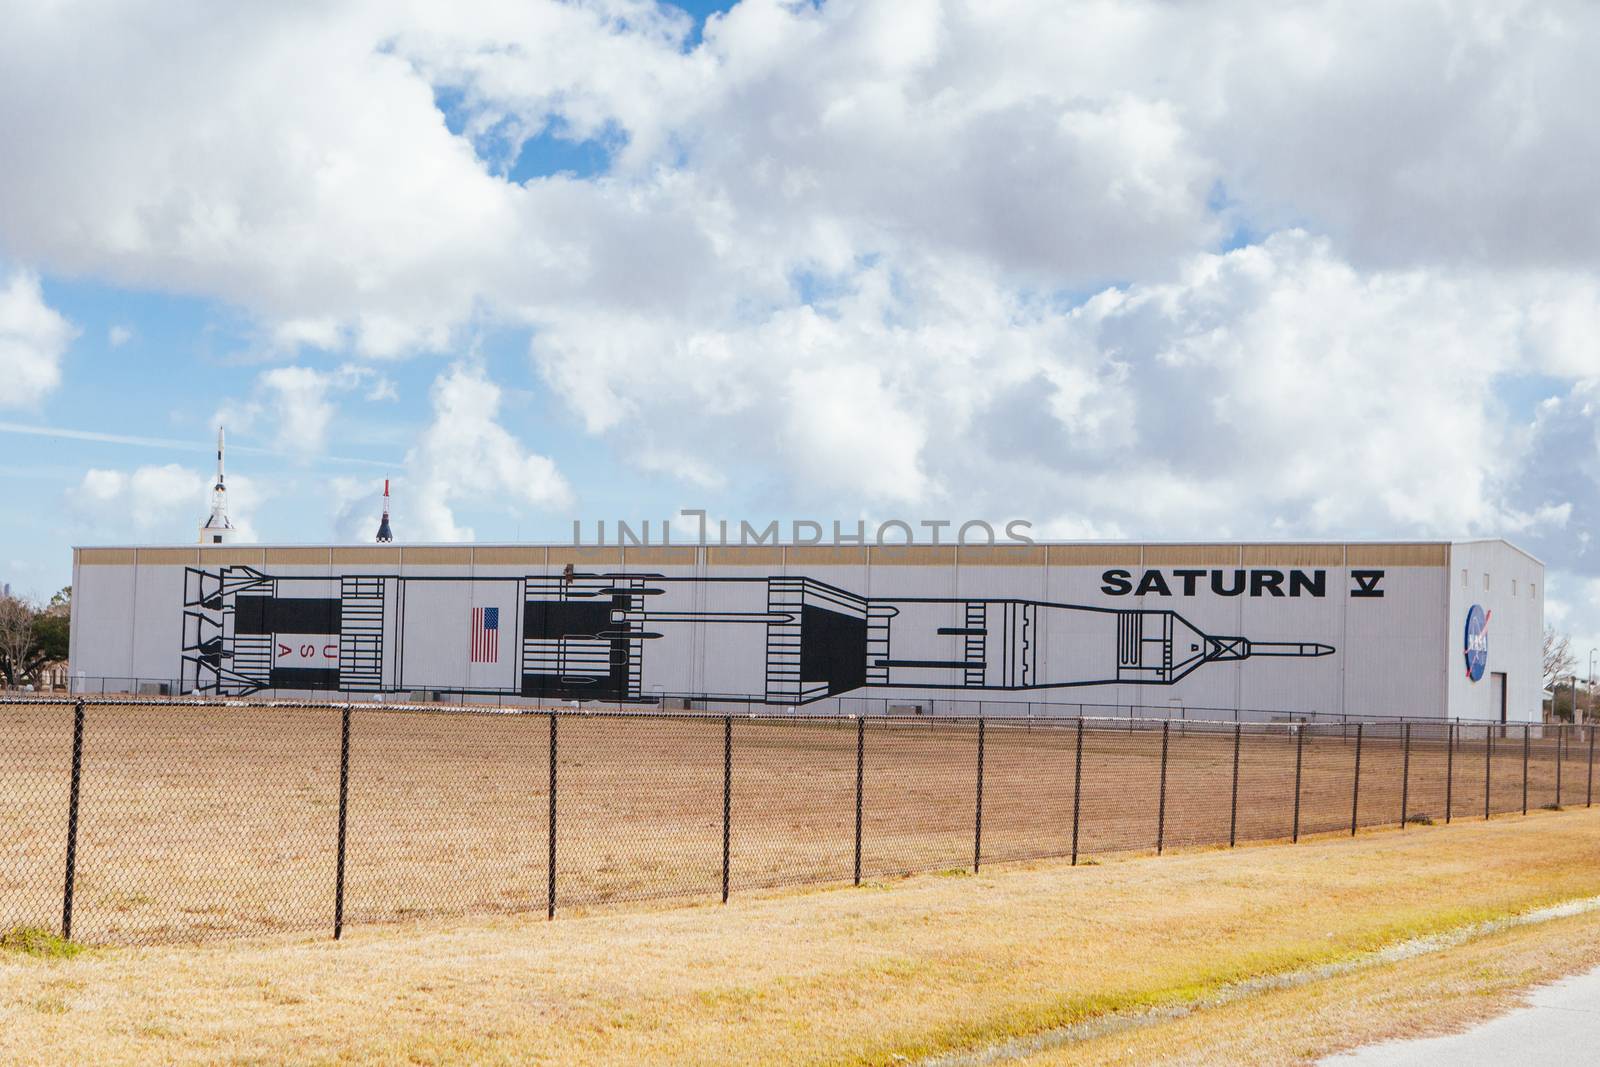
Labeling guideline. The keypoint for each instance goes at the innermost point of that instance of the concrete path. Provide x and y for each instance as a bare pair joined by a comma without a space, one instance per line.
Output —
1560,1025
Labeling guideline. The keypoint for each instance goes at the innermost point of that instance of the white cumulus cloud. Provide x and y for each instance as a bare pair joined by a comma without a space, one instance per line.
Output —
1062,144
466,456
162,503
298,404
33,337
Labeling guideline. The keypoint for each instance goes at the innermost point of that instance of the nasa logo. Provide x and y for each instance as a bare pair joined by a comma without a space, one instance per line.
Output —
1476,643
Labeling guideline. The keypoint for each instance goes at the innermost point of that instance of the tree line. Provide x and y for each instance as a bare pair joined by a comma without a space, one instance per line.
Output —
1562,679
33,636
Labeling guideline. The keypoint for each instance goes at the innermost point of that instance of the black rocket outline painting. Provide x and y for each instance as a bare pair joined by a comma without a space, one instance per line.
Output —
590,636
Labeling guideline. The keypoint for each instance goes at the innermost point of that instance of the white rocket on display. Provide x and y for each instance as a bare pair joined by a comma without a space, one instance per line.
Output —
385,535
217,530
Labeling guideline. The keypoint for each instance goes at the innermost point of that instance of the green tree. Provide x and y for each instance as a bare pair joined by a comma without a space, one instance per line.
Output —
51,635
16,638
32,638
1561,701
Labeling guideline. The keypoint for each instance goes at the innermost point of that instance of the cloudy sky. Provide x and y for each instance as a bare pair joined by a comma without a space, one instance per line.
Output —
1126,270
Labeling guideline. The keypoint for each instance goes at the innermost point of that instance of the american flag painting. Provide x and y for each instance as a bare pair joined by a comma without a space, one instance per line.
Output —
485,635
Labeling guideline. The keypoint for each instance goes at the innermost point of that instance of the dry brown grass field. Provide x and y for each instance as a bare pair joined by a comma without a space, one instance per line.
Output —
889,973
200,821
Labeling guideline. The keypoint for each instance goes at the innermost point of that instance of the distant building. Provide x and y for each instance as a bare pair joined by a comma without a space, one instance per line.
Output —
1418,629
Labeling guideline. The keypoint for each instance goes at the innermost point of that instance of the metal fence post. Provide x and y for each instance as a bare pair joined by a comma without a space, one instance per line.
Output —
977,818
1588,796
861,748
1233,805
1405,776
344,804
1355,784
1077,787
1527,738
1559,737
1488,769
727,798
1299,751
72,821
1449,771
551,866
1161,803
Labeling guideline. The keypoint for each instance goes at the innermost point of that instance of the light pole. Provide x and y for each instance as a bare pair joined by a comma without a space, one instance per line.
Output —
1572,696
1590,686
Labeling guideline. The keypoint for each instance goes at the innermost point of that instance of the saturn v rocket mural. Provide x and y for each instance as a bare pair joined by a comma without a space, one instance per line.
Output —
1371,628
599,636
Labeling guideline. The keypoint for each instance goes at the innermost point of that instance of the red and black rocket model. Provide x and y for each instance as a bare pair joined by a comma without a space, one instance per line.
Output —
385,535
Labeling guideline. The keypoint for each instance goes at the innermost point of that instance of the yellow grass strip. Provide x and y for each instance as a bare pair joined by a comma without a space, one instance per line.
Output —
1430,995
876,975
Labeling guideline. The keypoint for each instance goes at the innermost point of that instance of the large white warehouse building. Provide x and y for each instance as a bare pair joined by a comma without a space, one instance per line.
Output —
1419,629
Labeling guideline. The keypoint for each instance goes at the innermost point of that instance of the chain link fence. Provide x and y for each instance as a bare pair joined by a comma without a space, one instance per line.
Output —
162,690
133,822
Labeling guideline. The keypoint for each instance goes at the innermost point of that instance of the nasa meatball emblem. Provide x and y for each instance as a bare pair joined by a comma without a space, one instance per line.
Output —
1476,644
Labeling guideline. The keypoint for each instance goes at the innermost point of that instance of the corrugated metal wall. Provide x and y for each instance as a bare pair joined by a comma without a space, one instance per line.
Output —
730,620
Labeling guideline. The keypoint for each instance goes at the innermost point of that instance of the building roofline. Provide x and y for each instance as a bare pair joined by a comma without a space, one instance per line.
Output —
1501,541
1124,542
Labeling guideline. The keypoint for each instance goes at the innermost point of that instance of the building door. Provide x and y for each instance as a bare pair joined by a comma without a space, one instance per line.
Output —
1497,693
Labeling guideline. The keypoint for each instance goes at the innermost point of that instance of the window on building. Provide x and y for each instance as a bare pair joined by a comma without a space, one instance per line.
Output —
1464,578
1513,587
1485,581
1533,591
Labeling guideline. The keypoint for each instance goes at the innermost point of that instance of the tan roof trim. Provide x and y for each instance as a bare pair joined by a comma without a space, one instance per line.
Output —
1191,555
231,555
661,555
511,555
584,555
389,554
1002,555
1093,555
313,556
745,555
825,555
912,555
104,557
1269,555
428,554
1399,555
1394,554
186,557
